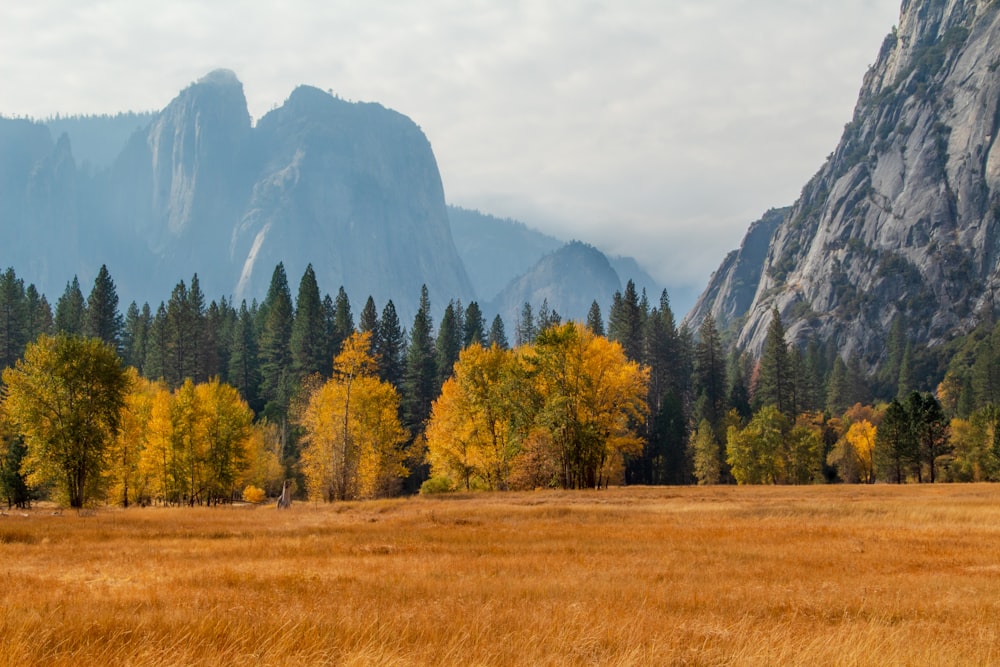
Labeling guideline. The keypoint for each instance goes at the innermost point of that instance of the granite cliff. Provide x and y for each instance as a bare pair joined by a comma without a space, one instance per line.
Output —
903,219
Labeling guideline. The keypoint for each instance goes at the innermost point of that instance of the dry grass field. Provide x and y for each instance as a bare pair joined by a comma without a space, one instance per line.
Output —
718,576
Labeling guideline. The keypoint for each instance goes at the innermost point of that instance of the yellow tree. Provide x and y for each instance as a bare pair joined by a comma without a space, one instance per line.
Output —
130,480
225,428
588,396
66,397
475,428
264,469
352,435
158,462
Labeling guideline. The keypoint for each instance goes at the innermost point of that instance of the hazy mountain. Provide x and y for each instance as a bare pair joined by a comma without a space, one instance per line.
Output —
98,140
352,188
904,217
496,250
568,279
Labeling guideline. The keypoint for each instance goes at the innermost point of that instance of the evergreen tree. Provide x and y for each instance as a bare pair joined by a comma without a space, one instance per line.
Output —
474,326
710,376
155,364
331,341
625,322
838,392
368,321
774,385
183,337
668,443
448,345
135,336
308,342
217,335
70,310
420,375
895,445
102,320
39,314
204,350
526,330
547,318
13,315
244,364
739,395
390,347
497,335
275,347
343,320
594,320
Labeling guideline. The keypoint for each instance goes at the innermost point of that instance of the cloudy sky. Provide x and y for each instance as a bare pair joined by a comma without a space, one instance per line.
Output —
654,128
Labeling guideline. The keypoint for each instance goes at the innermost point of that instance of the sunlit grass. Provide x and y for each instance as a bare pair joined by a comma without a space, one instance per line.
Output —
718,576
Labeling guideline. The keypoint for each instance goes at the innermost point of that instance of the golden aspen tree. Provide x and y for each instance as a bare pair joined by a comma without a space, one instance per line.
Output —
861,437
130,480
263,467
472,437
225,427
589,395
352,435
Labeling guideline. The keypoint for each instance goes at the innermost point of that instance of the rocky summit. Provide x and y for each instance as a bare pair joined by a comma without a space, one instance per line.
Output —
902,222
352,188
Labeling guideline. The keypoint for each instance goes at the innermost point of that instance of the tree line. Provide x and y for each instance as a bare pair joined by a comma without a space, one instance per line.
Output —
705,415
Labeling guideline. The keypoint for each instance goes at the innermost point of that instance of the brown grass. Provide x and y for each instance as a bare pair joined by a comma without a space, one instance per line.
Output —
721,576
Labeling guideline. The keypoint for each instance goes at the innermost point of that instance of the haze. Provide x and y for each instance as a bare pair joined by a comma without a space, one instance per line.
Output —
649,128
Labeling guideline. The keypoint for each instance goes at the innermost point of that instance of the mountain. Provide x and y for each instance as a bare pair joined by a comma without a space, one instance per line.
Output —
352,188
507,260
568,279
903,219
496,250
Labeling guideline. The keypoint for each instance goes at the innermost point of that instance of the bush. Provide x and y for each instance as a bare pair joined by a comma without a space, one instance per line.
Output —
437,485
253,494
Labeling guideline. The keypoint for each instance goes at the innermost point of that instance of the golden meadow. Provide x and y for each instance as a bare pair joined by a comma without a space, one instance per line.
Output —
832,575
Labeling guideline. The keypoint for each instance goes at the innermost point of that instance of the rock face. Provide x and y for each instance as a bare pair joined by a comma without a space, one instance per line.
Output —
904,217
353,189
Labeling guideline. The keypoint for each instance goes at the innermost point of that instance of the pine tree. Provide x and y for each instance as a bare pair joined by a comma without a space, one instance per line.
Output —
420,376
102,320
308,342
497,334
448,345
625,322
244,363
70,309
368,320
343,320
526,330
594,320
135,336
710,376
155,364
39,314
13,313
390,347
474,326
204,349
275,346
774,386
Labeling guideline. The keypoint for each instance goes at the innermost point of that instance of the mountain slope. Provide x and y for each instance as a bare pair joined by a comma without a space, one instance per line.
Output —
353,189
904,217
568,279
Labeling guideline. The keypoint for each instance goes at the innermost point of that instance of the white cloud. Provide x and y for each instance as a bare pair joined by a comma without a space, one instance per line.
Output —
658,129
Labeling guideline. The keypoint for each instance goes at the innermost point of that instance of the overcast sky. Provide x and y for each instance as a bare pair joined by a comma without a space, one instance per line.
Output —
654,128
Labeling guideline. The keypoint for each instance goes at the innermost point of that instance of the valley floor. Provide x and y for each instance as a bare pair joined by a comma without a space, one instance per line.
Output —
824,575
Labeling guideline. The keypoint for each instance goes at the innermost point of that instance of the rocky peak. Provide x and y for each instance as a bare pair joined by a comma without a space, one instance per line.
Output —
903,217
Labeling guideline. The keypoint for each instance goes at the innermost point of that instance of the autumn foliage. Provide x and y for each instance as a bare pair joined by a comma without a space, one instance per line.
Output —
559,412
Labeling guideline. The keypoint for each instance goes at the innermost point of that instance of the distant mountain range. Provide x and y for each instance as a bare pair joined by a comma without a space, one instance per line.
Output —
352,188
